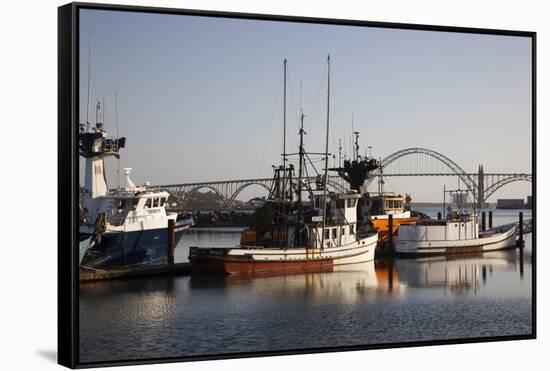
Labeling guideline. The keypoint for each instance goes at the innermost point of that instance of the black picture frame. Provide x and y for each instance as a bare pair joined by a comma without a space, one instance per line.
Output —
68,191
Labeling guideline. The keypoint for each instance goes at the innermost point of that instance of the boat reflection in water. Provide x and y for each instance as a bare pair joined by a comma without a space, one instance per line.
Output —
423,299
460,274
344,284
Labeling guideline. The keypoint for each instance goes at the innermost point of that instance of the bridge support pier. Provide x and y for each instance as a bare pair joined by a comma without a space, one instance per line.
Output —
480,188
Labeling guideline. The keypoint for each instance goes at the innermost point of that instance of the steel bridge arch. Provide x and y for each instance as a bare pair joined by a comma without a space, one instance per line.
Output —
240,189
453,166
185,196
504,181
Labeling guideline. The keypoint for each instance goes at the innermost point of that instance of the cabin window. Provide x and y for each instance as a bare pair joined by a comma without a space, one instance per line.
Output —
343,231
155,202
148,203
334,232
135,202
327,234
162,201
351,229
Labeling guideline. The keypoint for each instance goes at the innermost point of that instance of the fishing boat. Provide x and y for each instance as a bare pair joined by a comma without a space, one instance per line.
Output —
292,234
123,226
374,208
456,232
377,210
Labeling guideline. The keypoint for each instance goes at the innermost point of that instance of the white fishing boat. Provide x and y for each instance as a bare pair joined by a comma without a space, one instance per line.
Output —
290,235
457,232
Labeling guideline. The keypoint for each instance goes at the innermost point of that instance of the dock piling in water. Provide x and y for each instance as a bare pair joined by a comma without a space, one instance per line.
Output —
521,243
390,233
171,241
483,220
490,219
439,215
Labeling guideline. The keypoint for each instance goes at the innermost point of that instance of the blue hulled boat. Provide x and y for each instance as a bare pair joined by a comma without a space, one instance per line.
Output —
123,226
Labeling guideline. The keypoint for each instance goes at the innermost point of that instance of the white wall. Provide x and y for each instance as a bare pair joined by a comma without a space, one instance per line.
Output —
28,87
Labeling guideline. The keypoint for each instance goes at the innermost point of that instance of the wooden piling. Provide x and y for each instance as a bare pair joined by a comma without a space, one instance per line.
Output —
490,219
439,215
483,220
171,241
521,263
390,274
390,233
521,243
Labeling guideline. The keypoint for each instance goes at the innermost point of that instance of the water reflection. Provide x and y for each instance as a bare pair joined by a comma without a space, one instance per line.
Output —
458,275
382,301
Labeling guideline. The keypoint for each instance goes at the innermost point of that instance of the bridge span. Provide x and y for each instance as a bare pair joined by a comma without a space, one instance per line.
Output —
409,162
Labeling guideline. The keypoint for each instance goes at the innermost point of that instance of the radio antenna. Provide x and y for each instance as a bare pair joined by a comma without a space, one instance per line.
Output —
89,72
116,136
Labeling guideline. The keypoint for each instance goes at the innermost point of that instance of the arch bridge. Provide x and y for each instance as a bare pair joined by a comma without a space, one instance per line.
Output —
229,190
427,162
404,163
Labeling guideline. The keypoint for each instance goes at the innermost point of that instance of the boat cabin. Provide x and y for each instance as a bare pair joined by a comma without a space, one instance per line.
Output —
384,204
341,219
456,227
128,210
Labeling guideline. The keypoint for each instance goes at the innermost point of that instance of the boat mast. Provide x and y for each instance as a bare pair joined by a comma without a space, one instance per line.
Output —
326,157
284,133
89,69
300,166
339,152
116,134
356,133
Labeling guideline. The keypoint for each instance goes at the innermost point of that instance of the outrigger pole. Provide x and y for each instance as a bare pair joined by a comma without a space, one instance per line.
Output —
326,157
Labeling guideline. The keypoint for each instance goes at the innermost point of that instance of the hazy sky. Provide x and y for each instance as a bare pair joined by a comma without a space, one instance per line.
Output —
201,98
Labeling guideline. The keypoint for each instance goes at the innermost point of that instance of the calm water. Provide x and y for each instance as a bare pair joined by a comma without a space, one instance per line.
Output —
379,302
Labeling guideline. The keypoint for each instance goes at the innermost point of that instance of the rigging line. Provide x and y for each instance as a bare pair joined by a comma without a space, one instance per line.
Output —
332,117
296,109
312,165
270,124
318,98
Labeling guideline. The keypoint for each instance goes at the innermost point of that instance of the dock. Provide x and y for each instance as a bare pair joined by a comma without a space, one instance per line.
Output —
91,275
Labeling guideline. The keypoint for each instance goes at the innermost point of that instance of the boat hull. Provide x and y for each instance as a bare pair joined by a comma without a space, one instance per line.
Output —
279,261
136,248
497,241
